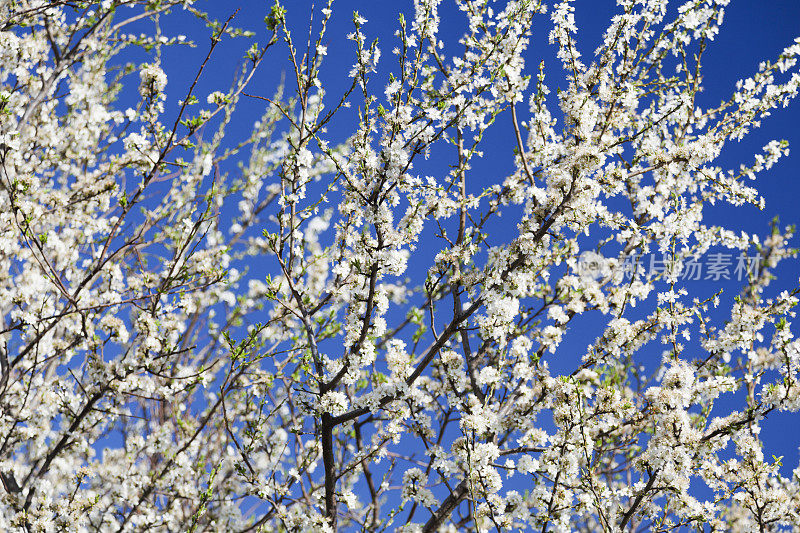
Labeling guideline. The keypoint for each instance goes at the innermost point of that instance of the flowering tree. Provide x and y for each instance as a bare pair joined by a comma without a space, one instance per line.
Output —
194,346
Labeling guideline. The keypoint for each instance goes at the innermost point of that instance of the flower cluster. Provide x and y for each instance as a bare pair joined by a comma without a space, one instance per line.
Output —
309,330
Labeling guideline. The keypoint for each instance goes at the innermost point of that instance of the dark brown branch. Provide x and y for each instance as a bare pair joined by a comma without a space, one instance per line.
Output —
330,474
447,507
638,500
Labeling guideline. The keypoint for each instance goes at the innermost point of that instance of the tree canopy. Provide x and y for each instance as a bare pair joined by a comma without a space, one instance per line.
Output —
300,329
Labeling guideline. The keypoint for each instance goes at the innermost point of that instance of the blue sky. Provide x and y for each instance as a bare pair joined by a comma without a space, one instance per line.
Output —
753,31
